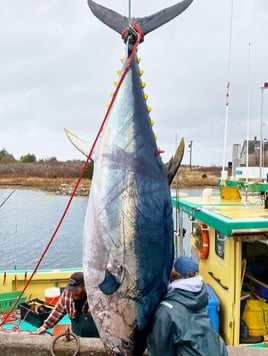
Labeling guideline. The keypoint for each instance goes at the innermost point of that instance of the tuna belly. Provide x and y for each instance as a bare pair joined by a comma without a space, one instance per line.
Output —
130,233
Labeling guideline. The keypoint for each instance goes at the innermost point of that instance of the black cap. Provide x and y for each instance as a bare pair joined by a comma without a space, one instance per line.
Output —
76,280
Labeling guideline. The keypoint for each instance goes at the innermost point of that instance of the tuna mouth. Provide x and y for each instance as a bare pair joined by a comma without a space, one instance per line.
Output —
125,348
128,348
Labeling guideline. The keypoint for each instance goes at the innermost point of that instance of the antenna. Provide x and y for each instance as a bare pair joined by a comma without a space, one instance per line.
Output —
265,86
129,11
248,110
223,172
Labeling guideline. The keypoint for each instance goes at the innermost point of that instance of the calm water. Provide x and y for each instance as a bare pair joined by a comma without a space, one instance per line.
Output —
27,221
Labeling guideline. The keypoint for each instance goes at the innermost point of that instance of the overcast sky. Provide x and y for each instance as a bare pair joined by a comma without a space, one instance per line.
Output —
58,64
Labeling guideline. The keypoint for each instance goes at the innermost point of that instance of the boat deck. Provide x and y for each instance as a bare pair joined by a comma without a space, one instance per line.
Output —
230,217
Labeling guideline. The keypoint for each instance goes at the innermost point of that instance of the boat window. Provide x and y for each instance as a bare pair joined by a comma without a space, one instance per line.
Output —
219,244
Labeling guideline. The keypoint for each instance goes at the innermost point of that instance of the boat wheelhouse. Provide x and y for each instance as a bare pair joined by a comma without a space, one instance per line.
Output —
229,239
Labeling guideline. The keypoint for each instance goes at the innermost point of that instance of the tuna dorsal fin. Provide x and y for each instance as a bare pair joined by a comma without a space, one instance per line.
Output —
80,144
149,23
174,163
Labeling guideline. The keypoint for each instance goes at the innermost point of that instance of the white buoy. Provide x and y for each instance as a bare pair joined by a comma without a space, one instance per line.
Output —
52,295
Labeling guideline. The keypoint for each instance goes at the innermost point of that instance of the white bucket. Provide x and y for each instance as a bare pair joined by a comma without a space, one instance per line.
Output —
52,295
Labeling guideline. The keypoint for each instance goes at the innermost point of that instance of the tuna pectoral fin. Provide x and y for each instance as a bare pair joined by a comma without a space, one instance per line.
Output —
114,276
78,143
174,163
109,284
112,281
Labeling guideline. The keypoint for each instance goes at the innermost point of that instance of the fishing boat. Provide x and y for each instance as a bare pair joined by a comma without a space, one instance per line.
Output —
228,232
20,300
229,238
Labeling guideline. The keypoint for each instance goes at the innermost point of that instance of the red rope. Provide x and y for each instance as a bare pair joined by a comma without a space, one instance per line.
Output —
128,64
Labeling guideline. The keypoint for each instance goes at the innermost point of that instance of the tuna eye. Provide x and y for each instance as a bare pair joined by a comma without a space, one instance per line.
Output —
128,344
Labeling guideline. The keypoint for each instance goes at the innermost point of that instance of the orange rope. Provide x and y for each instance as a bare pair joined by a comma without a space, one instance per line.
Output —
128,64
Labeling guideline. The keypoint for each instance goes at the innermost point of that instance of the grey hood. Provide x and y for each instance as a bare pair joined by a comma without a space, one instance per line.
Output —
182,292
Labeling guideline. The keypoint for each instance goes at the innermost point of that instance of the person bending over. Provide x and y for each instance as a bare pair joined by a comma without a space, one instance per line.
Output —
73,301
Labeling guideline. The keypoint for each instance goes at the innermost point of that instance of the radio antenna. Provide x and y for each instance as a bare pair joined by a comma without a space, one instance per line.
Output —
129,11
223,172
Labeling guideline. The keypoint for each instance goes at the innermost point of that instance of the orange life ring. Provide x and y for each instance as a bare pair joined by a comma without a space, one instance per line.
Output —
203,247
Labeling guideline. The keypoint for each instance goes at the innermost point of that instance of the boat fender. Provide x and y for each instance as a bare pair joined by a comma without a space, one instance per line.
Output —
202,243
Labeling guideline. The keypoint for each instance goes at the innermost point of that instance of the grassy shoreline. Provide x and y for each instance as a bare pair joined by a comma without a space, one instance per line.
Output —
186,178
60,186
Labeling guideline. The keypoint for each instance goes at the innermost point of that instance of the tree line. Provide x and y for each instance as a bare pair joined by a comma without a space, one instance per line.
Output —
6,157
28,166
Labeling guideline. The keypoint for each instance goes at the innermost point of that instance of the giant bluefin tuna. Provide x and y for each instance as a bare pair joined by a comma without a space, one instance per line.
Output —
128,232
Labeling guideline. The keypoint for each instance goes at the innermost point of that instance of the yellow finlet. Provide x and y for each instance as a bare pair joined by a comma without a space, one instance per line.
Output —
143,85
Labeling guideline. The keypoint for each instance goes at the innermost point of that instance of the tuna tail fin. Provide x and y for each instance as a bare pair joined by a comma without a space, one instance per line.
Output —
149,23
111,18
174,163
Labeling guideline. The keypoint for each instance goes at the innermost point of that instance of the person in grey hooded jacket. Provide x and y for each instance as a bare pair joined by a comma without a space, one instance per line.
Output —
181,325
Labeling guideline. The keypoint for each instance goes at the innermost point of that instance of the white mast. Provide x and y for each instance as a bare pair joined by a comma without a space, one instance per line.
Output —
248,110
129,11
223,172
